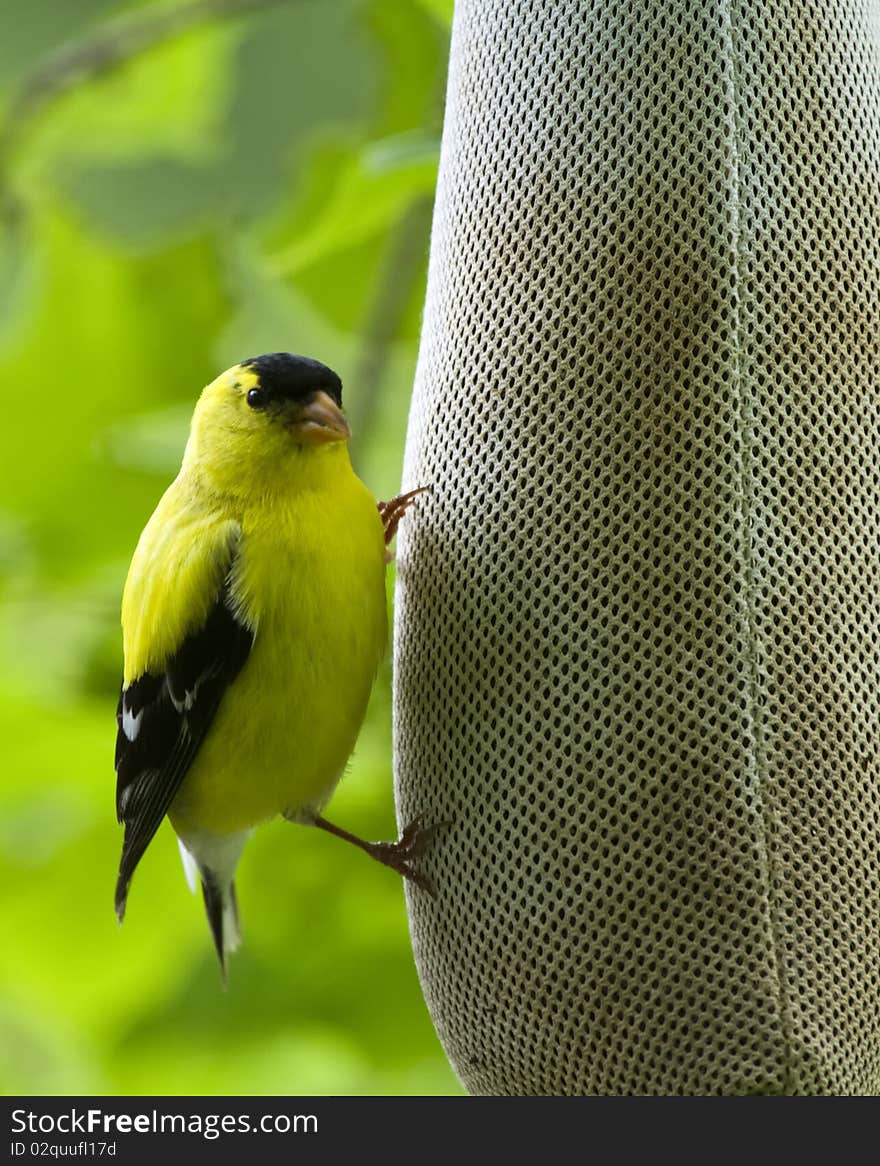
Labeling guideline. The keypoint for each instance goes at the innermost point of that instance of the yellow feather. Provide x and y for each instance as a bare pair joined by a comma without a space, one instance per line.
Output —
175,574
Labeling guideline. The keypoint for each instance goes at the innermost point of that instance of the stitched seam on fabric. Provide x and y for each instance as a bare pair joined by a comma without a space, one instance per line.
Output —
747,502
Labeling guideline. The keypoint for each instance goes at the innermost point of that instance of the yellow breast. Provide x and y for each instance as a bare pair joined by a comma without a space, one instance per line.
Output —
311,580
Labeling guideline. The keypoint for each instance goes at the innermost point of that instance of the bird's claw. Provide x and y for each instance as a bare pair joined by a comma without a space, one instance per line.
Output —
392,511
402,855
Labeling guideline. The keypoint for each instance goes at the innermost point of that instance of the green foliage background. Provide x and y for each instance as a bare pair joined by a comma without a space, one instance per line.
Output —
258,178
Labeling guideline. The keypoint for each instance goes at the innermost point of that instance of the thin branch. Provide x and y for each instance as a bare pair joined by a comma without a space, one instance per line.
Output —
401,268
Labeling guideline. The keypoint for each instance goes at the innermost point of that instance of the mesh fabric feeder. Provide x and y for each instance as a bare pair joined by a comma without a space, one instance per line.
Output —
637,648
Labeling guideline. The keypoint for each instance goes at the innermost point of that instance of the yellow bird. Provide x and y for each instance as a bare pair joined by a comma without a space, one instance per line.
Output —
253,624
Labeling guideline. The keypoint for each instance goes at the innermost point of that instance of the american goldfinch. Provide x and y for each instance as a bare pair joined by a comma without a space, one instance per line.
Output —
253,623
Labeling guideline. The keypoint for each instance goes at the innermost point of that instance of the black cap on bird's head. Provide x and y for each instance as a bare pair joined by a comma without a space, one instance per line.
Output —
306,394
286,377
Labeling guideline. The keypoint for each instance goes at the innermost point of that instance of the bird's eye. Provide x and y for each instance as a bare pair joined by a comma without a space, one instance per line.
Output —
256,398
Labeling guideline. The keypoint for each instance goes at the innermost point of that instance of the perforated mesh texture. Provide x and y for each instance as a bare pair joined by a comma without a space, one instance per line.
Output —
637,646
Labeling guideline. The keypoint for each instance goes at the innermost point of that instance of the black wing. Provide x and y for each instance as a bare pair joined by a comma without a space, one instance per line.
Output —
162,720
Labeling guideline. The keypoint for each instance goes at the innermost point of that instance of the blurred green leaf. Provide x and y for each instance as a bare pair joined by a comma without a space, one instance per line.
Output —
370,194
414,46
171,99
105,338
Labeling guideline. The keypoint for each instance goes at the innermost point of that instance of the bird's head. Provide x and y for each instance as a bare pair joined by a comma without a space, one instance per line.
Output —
267,415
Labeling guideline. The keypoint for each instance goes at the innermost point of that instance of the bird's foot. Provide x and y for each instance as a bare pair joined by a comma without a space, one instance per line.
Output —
391,512
400,856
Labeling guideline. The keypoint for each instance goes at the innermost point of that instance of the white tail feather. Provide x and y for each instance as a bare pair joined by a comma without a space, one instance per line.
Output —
231,930
190,867
212,859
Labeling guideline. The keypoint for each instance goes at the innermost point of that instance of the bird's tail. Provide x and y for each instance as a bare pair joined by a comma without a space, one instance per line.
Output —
221,908
211,859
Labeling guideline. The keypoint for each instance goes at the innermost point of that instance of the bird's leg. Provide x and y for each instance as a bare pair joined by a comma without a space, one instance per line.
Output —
400,855
391,512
